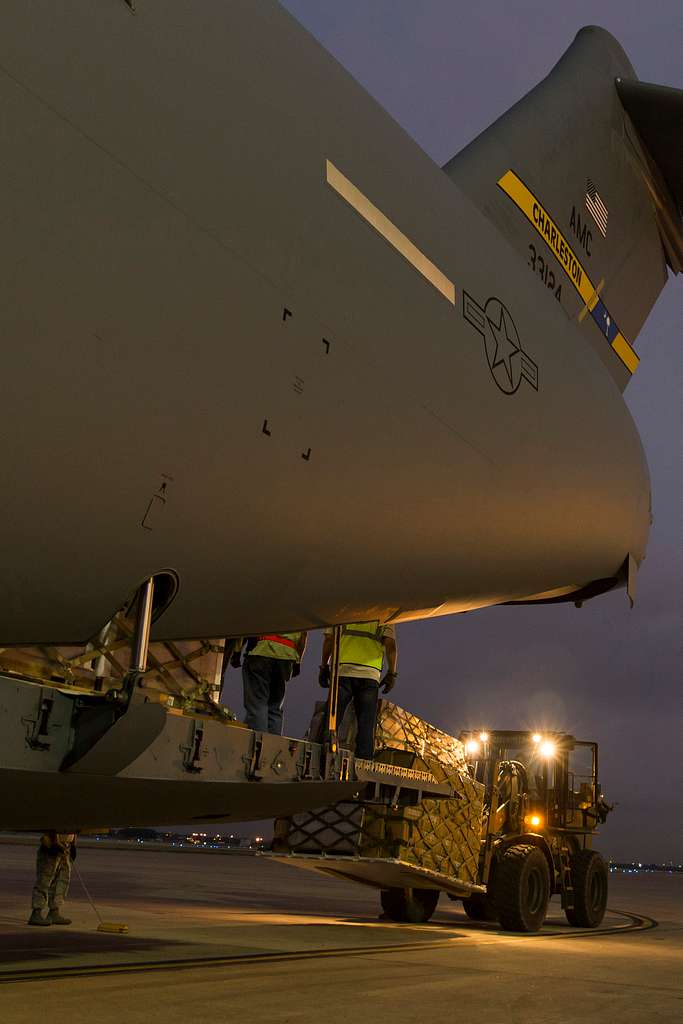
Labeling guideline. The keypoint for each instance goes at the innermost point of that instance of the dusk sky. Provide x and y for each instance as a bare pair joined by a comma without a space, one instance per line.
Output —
444,71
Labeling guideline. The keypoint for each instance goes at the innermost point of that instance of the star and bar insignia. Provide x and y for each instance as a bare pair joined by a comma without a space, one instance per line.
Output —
508,362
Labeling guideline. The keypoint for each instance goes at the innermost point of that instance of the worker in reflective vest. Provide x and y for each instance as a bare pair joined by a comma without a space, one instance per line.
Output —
363,648
267,668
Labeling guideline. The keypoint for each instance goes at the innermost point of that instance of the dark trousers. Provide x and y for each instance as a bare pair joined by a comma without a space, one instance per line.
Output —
265,682
365,695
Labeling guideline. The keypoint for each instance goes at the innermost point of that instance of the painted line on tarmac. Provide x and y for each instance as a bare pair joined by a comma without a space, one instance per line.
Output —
637,923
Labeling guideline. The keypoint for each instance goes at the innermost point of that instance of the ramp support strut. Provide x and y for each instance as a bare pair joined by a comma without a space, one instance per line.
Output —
331,740
143,626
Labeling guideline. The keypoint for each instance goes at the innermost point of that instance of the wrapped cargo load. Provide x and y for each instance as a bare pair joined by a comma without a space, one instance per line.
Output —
396,729
438,833
181,669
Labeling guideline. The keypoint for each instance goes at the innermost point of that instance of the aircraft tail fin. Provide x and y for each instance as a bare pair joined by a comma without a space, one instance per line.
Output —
584,176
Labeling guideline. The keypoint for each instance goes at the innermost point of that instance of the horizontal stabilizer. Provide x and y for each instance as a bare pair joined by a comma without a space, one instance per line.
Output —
657,114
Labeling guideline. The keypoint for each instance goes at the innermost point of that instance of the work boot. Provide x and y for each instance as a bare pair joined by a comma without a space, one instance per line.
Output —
54,917
37,918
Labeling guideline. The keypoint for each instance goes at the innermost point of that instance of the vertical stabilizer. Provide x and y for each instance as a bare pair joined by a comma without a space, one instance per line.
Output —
571,182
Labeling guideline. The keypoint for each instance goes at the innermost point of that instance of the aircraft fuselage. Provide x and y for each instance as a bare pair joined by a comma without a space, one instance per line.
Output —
217,363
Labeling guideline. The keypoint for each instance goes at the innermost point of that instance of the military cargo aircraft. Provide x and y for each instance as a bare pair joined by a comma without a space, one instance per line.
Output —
259,348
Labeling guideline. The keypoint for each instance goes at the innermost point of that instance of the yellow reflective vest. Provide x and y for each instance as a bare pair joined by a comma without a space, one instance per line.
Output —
361,645
278,645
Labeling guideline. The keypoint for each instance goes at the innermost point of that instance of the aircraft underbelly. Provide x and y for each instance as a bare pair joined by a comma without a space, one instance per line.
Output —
215,365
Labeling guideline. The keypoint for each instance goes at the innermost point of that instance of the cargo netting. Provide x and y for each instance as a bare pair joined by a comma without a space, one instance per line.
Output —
438,833
182,669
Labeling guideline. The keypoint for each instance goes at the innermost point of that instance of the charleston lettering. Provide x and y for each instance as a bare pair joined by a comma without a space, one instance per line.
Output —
555,240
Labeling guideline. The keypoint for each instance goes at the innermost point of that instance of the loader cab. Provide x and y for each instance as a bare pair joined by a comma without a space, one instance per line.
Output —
535,781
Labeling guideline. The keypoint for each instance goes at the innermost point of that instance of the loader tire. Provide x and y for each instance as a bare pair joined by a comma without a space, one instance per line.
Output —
590,884
413,906
480,908
522,888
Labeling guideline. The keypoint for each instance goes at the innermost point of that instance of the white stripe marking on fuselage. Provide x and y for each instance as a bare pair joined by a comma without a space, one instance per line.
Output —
369,212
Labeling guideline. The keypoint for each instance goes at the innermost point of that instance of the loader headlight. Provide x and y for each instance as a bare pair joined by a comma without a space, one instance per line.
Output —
472,747
547,748
483,736
536,738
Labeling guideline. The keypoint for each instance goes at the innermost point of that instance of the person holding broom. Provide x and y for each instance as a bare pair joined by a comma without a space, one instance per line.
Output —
56,851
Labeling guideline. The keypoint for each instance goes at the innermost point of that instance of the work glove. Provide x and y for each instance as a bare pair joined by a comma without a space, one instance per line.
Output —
324,676
389,681
296,670
236,659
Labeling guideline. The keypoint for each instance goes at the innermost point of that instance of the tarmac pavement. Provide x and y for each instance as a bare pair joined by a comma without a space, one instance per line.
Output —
277,944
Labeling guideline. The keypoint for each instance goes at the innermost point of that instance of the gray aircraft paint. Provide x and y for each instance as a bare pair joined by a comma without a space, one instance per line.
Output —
164,203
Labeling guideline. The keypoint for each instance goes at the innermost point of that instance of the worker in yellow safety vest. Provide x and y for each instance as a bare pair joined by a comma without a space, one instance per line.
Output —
363,648
267,667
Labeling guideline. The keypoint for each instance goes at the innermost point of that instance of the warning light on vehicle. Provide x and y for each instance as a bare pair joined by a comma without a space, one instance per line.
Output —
535,820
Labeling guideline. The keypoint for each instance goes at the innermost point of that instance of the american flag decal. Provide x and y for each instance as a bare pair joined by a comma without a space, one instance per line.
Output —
596,207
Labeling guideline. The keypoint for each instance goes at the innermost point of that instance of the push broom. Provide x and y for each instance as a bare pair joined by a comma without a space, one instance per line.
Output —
103,926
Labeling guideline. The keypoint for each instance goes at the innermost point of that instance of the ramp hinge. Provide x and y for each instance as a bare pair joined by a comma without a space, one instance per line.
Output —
304,766
40,724
254,764
193,753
